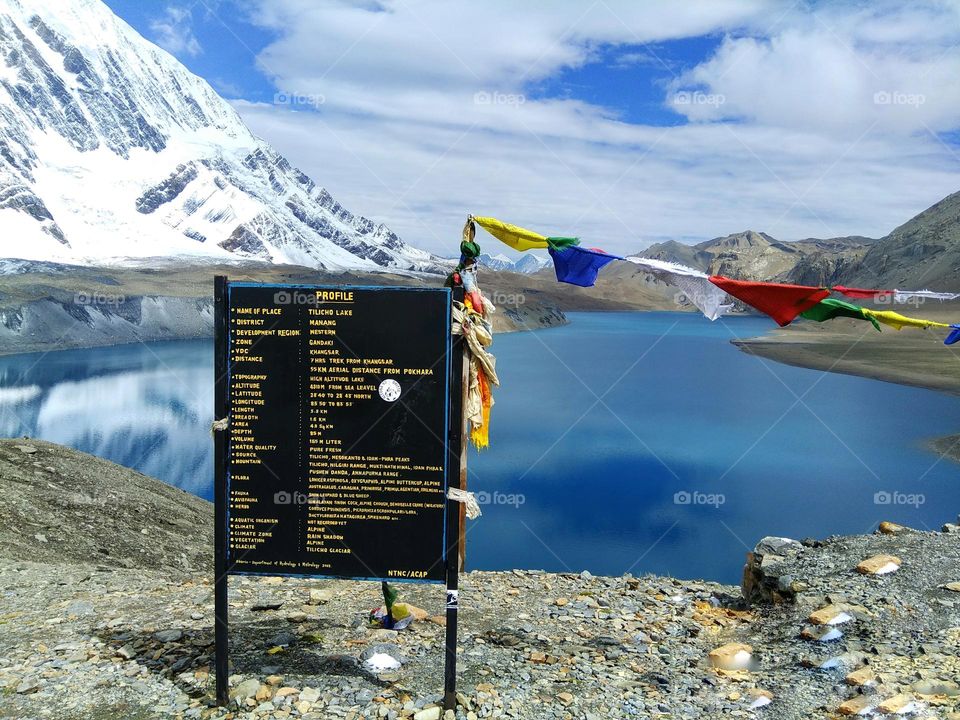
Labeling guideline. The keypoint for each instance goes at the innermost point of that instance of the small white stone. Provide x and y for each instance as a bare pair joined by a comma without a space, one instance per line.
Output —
432,713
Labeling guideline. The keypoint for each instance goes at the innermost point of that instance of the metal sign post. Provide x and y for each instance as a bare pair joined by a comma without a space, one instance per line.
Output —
457,458
221,410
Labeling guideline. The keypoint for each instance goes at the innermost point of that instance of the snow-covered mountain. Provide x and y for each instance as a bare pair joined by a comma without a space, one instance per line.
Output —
111,149
528,262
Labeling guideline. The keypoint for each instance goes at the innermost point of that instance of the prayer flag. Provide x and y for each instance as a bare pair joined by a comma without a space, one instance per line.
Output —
830,308
781,302
695,285
905,296
579,266
559,243
516,237
860,293
898,321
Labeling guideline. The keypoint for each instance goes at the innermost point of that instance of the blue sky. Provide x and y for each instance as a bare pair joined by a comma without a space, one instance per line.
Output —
631,79
628,79
625,123
225,54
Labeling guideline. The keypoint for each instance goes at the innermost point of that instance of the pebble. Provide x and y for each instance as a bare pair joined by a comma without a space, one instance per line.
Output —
860,705
168,636
246,689
898,705
880,565
863,677
27,686
732,656
891,528
830,615
319,596
432,713
310,695
936,687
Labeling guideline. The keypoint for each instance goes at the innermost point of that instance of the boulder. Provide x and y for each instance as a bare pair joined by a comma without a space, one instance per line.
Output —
892,528
879,565
767,577
732,656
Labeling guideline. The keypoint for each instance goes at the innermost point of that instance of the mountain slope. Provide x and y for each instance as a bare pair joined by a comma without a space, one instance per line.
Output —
922,253
110,148
748,254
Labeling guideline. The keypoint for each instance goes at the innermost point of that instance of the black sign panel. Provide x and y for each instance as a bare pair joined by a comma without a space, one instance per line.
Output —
339,410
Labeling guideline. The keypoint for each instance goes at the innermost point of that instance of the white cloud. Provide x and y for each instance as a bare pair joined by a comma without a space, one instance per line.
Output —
173,31
426,118
839,73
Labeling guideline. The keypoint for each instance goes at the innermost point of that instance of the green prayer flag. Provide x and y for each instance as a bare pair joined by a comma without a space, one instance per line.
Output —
559,243
830,308
390,596
469,248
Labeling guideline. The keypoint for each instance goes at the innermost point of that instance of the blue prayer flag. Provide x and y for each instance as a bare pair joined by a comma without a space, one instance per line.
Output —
579,266
953,336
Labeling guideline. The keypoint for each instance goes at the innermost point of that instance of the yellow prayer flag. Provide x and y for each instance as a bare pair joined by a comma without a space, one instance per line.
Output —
516,237
898,321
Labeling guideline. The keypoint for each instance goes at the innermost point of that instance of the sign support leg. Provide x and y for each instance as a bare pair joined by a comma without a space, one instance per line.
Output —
221,657
457,458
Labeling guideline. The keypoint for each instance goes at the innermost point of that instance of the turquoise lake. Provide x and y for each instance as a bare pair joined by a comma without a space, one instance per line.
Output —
633,442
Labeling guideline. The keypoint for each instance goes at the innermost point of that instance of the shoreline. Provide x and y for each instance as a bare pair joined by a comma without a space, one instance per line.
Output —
911,356
947,446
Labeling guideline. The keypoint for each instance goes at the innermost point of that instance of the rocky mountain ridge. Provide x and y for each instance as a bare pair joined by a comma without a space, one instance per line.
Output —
922,253
751,255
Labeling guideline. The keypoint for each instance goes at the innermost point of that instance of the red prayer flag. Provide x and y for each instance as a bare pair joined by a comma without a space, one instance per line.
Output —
781,302
860,293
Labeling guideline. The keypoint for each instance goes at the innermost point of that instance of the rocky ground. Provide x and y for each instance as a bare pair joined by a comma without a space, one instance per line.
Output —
128,633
